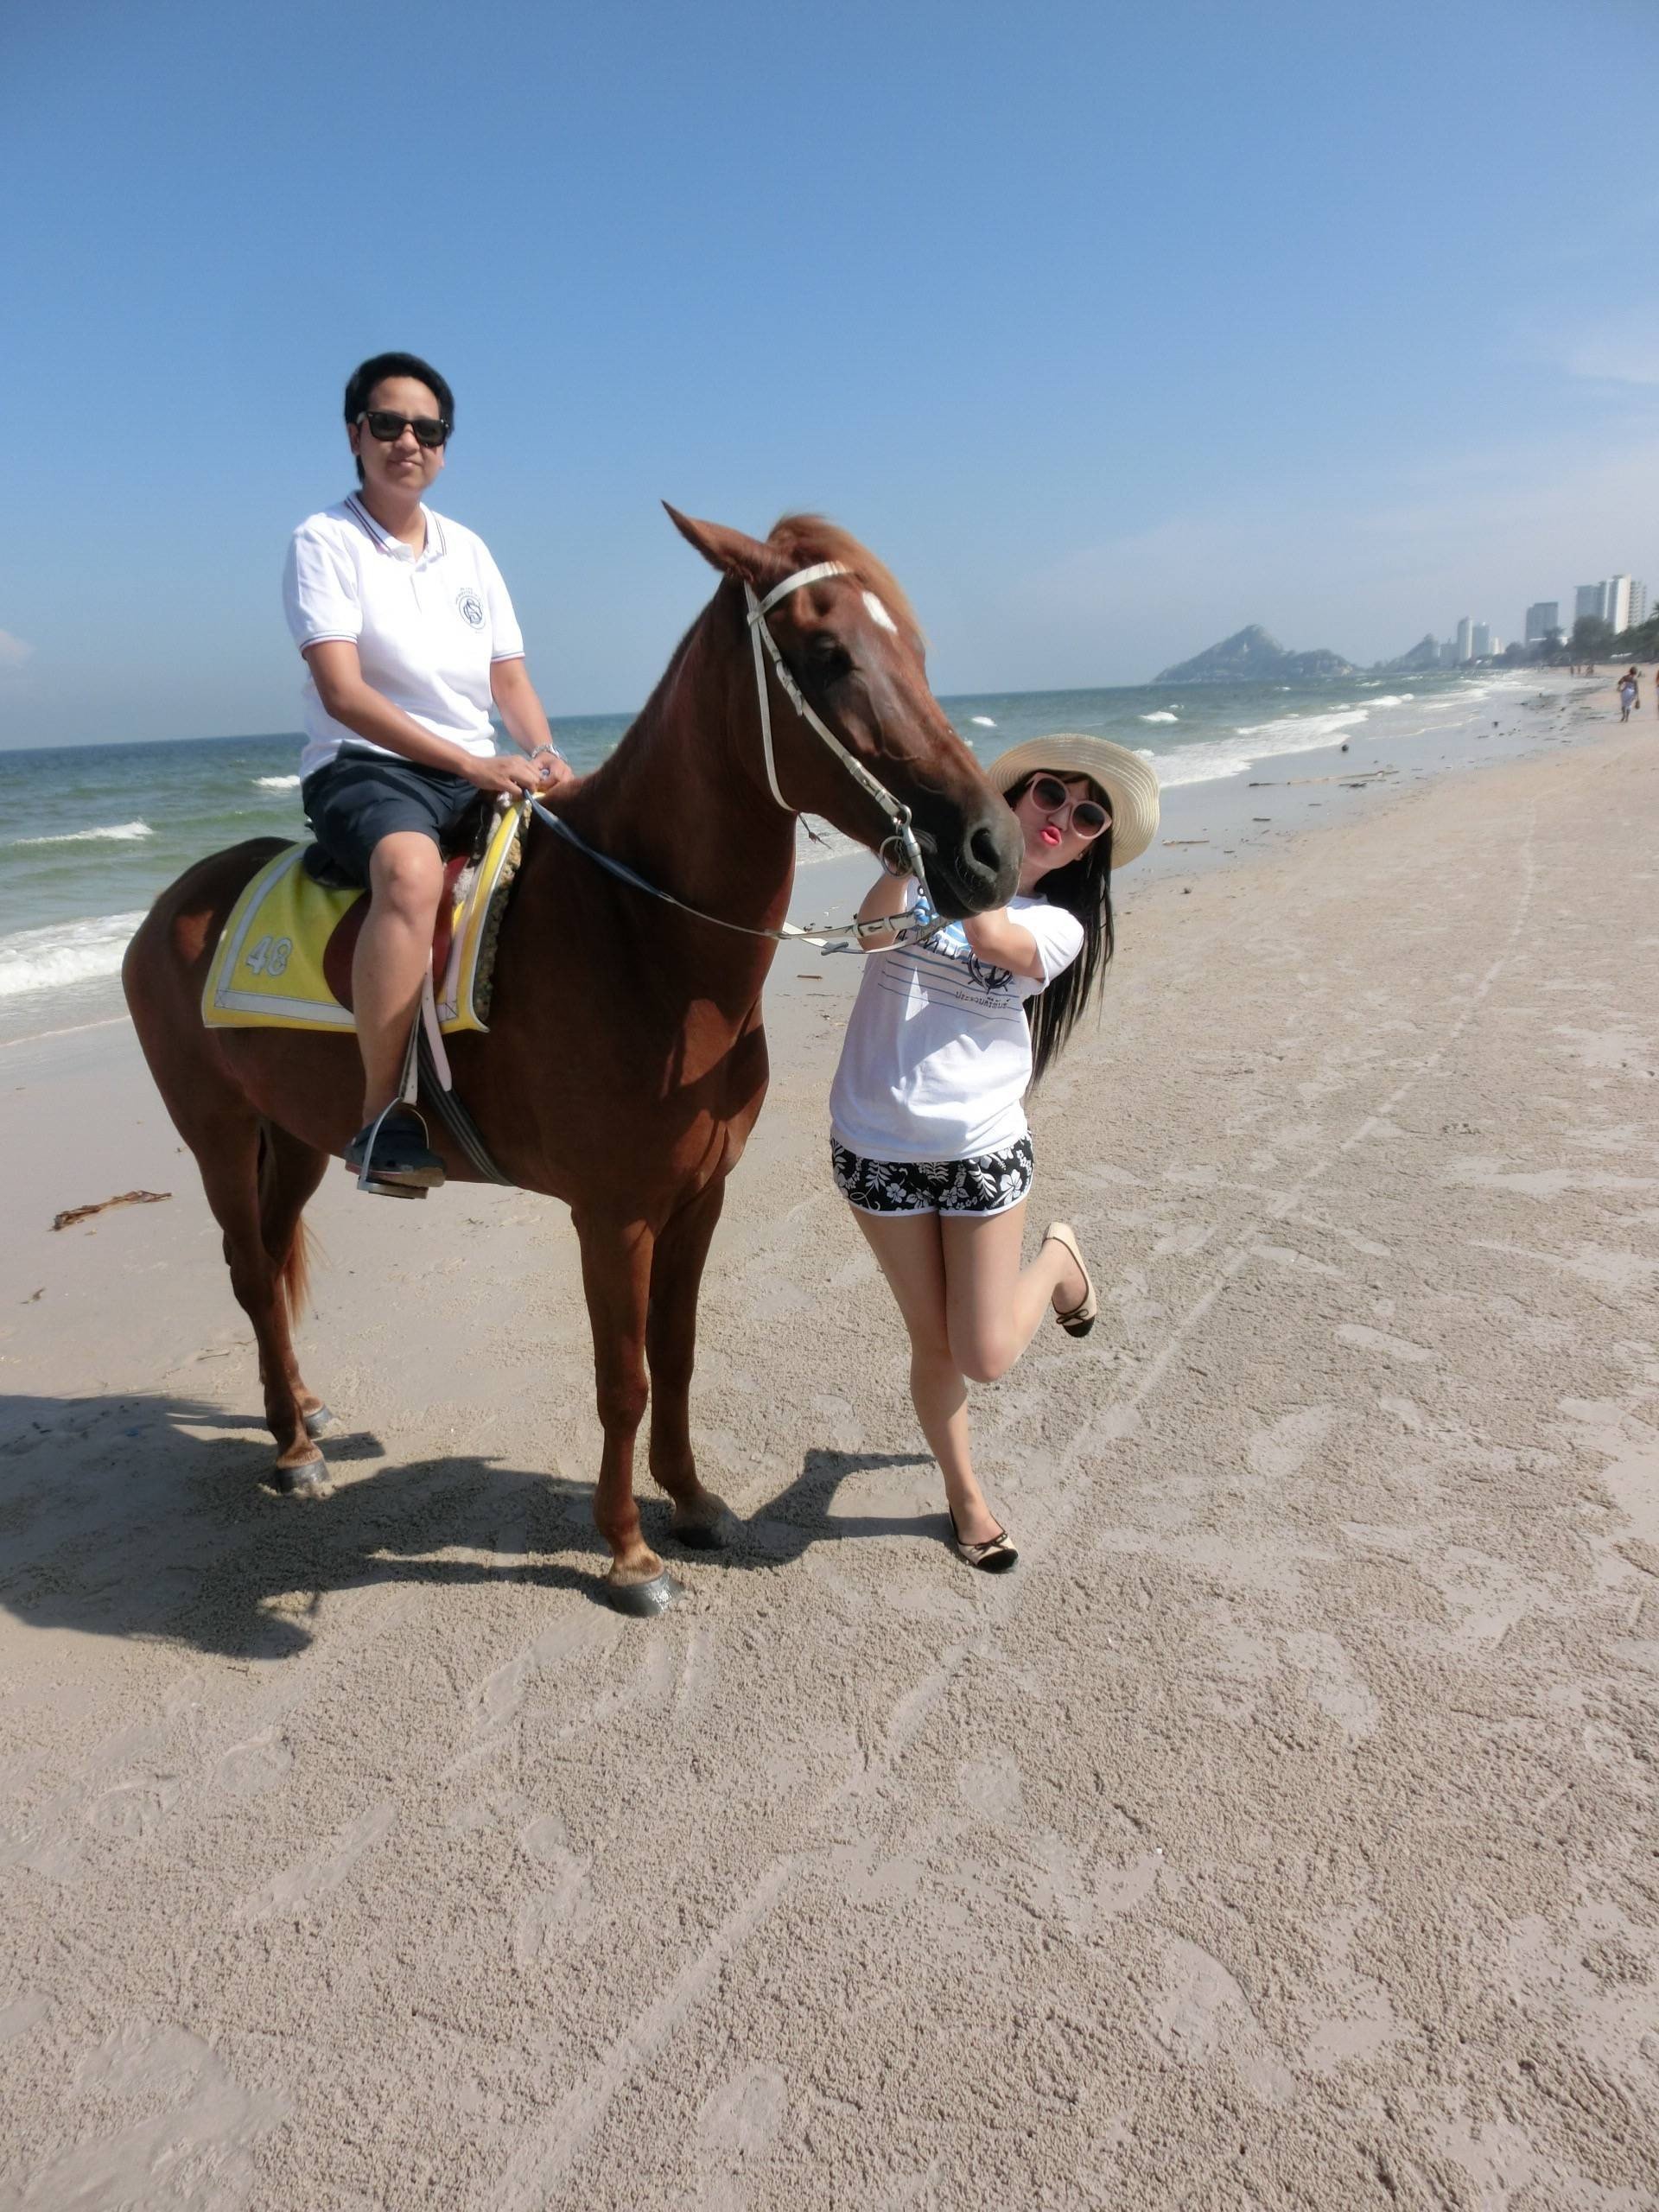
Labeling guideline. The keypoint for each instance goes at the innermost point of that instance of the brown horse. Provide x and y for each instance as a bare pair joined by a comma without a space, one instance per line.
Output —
626,1062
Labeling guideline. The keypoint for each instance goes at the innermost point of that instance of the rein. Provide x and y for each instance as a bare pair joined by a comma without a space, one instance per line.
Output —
900,853
818,933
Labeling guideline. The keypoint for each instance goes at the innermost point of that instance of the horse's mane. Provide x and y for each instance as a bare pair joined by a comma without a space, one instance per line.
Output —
807,538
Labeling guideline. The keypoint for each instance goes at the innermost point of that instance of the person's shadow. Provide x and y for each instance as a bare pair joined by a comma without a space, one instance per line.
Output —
149,1516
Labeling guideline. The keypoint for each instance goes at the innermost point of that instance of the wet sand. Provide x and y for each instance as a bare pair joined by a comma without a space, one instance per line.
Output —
1279,1833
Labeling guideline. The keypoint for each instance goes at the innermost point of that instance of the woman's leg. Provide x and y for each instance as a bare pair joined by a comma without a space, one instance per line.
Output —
390,963
909,1252
993,1307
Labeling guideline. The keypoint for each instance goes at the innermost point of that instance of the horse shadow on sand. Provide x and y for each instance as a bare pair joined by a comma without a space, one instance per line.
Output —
149,1516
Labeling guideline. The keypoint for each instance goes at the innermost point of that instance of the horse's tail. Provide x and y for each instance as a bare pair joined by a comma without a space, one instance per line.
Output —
293,1275
294,1265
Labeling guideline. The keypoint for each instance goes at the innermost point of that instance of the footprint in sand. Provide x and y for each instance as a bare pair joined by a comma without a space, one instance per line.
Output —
1364,1339
744,2114
1203,2015
134,1809
248,1769
193,2153
557,1922
1332,1682
321,1872
20,2016
990,1787
1283,1447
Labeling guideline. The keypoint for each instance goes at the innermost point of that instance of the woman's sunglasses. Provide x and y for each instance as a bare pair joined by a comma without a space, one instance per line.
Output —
385,424
1088,817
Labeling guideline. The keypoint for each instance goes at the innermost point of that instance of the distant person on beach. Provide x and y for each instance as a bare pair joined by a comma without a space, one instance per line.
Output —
928,1135
409,638
1629,694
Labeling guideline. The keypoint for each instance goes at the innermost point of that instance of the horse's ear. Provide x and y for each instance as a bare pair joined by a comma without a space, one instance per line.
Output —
747,558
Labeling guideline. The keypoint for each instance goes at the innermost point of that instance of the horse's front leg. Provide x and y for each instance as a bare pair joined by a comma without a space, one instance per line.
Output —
616,1278
672,1346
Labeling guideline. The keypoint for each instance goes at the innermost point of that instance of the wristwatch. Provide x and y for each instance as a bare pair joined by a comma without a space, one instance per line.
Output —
547,752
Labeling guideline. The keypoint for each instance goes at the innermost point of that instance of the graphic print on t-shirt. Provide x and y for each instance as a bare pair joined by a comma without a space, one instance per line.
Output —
946,971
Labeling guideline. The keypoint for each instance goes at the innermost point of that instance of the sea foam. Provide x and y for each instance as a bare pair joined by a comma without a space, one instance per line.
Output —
69,952
1216,758
276,783
1170,717
122,831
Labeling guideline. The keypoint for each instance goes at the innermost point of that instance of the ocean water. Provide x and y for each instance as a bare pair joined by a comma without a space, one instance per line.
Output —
89,835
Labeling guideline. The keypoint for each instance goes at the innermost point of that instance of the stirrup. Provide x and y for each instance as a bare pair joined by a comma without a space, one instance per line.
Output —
391,1155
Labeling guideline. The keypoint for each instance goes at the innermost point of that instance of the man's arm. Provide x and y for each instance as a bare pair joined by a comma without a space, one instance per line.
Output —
524,718
351,700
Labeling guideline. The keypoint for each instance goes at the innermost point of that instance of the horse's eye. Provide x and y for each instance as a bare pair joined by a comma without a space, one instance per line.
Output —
827,657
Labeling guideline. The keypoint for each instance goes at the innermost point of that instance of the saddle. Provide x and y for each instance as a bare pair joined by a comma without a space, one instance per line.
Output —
283,959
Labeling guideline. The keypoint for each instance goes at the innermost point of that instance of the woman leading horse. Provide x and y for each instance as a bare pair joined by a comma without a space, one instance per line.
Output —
626,1061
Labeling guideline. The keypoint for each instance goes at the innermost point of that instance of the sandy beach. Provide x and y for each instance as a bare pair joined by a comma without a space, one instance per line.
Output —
1279,1834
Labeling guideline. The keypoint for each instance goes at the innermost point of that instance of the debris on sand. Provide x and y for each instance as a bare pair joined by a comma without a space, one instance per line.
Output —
126,1198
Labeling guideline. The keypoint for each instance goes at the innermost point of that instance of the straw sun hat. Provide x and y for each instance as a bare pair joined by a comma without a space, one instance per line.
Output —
1130,786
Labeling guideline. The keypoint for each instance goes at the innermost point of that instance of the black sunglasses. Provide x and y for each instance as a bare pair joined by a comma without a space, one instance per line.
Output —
385,423
1088,817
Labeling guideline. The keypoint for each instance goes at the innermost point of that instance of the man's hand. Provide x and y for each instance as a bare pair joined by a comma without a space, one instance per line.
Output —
501,772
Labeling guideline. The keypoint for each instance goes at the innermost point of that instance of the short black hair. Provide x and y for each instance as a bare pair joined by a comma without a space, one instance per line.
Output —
377,369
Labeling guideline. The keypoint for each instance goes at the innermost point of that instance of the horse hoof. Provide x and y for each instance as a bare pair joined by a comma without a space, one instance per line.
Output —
643,1601
308,1479
318,1422
700,1535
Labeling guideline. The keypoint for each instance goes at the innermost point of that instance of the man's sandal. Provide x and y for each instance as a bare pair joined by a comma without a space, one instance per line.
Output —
995,1556
1080,1318
400,1162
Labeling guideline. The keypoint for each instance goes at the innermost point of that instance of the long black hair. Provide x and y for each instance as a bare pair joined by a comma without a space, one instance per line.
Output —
1083,887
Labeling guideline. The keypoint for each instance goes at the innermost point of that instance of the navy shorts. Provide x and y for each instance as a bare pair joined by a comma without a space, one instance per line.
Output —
990,1182
361,797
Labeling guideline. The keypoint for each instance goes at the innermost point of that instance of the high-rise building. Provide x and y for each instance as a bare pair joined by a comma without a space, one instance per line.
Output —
1465,646
1481,642
1617,608
1592,599
1639,602
1542,616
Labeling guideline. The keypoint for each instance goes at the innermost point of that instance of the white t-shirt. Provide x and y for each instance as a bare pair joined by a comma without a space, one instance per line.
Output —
937,1057
427,627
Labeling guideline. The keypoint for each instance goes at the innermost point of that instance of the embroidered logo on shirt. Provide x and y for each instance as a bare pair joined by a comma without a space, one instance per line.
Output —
470,608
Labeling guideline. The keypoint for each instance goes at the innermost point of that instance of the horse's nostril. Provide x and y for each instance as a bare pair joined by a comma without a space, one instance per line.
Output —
984,849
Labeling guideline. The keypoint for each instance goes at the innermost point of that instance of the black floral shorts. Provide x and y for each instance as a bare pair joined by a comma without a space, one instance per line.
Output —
990,1182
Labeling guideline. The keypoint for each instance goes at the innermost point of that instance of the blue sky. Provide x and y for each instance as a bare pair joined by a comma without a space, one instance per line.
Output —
1109,327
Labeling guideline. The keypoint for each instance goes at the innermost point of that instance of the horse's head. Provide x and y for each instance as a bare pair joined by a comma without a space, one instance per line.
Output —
852,658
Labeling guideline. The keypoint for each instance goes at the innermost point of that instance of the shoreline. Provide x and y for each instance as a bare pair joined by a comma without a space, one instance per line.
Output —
1205,823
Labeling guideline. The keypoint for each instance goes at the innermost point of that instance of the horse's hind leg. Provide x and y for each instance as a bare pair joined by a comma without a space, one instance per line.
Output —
616,1277
672,1346
290,1171
230,1176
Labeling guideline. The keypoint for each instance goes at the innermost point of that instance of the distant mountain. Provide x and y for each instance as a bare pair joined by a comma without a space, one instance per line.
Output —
1250,656
1426,654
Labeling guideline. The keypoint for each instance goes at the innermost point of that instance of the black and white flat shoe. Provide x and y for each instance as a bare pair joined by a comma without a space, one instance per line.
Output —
1080,1318
995,1556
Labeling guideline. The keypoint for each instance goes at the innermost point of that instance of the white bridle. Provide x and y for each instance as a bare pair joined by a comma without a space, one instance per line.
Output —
900,853
907,859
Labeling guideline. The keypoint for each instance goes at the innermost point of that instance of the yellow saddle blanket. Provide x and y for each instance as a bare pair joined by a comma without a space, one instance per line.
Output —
284,959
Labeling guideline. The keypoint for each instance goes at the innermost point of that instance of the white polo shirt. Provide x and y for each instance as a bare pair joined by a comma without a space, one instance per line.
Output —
427,627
